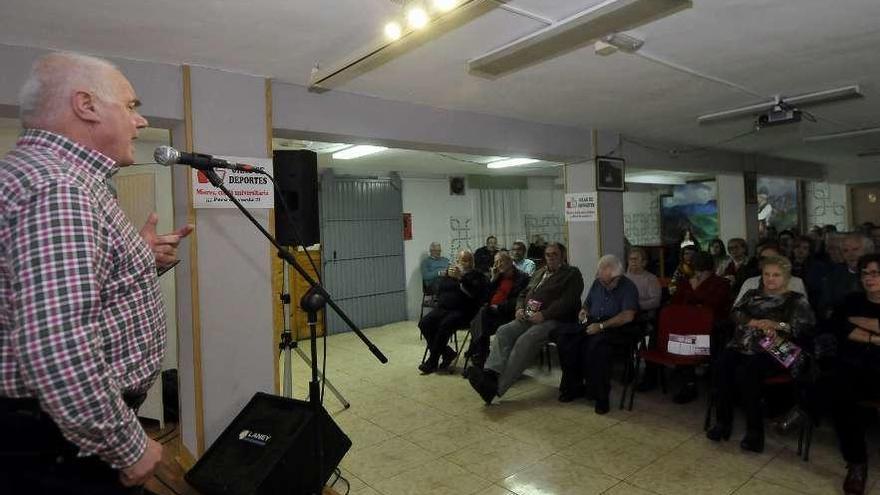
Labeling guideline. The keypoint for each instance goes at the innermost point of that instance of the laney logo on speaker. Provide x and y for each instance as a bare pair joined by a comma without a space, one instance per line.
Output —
253,437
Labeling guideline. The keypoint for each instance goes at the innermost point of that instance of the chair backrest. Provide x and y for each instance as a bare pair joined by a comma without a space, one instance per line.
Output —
683,319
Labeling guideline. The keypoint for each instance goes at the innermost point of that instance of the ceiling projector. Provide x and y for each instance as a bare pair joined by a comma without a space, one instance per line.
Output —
778,115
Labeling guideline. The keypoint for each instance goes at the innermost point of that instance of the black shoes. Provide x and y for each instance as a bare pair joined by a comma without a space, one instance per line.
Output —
753,441
719,432
448,357
573,394
856,479
428,367
602,405
485,382
687,394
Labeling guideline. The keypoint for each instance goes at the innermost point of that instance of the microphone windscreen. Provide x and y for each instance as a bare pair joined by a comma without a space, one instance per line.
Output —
166,155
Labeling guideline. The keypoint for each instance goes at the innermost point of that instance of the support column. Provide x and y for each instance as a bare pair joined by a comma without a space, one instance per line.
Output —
232,332
731,206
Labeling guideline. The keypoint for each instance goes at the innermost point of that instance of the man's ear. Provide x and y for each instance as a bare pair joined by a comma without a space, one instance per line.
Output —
84,105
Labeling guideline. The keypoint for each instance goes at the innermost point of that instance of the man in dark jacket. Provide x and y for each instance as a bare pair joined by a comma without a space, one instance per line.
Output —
507,283
552,298
459,295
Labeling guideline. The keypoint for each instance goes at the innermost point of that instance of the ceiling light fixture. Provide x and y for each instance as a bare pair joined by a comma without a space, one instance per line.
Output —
510,162
607,17
357,152
415,21
445,5
393,31
841,135
417,18
818,97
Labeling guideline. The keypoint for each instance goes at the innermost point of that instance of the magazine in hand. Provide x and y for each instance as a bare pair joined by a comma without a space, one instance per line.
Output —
784,351
532,307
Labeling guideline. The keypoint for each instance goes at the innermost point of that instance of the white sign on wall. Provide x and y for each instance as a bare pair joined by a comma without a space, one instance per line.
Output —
581,207
252,190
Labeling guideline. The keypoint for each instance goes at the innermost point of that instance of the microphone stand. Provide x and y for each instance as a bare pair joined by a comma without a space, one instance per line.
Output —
312,302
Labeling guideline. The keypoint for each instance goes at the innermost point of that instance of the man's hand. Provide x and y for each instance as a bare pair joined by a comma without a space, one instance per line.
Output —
520,314
582,315
164,247
537,318
593,329
141,471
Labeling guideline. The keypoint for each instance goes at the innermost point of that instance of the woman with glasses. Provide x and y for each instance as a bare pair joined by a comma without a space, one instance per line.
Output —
859,373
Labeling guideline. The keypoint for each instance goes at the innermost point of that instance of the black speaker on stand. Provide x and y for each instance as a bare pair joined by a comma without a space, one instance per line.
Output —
296,172
269,449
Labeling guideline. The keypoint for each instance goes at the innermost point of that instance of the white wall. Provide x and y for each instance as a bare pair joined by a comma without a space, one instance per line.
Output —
826,203
431,206
641,215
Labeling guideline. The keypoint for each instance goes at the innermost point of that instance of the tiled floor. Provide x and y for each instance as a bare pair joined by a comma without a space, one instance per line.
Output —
432,435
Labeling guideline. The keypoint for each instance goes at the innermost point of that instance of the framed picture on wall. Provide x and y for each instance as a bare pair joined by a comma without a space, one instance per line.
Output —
610,173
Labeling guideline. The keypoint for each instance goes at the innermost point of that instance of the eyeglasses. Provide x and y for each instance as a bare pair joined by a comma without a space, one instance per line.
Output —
871,273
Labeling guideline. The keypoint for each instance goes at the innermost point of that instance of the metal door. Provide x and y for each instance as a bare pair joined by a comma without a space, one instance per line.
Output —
362,246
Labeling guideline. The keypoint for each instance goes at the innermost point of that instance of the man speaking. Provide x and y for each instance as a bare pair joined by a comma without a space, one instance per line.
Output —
82,322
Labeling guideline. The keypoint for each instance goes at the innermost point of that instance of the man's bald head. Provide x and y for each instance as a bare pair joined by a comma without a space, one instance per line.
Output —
44,98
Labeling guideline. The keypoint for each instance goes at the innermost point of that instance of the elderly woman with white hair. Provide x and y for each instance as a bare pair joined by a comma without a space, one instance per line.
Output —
585,349
768,321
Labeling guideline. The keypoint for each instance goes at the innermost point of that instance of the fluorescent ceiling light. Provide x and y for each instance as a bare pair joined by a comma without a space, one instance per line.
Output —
841,135
824,96
608,17
510,162
357,152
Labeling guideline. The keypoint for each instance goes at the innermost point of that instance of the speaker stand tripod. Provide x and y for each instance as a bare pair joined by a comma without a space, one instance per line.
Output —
288,344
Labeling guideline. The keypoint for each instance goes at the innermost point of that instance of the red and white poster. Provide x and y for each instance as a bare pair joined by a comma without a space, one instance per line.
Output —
253,190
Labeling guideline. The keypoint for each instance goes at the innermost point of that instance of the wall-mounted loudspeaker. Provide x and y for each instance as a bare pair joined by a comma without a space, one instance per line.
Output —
456,186
296,172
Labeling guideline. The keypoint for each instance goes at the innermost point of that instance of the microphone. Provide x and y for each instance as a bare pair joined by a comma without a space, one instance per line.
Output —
166,155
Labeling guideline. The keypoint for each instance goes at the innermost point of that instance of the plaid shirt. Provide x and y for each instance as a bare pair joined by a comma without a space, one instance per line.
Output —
81,315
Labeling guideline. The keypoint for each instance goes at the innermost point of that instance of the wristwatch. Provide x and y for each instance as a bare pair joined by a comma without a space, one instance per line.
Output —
783,326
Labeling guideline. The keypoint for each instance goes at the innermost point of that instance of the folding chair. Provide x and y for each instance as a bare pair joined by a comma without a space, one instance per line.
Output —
679,320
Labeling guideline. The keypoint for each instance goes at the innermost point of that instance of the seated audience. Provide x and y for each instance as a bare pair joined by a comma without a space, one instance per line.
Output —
506,285
753,267
719,254
433,267
843,278
585,349
523,264
485,256
705,289
738,258
785,239
795,283
811,270
552,298
650,296
858,377
536,249
774,313
459,295
685,268
646,282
